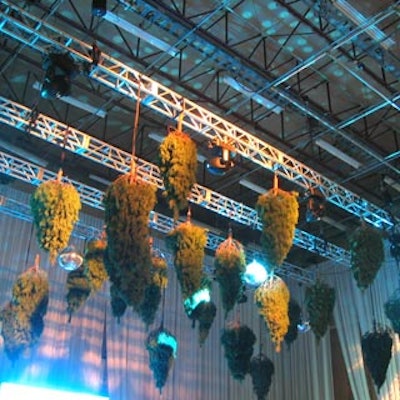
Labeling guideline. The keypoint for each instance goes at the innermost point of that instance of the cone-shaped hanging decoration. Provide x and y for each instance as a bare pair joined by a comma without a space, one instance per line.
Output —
278,211
230,265
272,298
55,208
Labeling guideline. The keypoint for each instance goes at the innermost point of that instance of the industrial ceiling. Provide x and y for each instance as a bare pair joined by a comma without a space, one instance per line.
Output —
307,90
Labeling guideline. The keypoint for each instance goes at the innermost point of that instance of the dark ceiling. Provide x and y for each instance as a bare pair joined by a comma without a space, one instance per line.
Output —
323,70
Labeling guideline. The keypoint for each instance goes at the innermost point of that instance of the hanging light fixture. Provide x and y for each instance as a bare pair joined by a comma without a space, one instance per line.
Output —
70,259
255,273
222,157
315,205
59,68
99,8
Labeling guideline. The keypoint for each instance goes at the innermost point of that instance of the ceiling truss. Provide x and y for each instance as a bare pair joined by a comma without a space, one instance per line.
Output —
126,80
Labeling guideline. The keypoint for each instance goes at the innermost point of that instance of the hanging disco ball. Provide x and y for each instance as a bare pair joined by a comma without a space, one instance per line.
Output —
69,259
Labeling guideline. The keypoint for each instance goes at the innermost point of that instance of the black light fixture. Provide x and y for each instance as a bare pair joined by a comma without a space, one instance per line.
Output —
222,157
60,69
315,205
99,8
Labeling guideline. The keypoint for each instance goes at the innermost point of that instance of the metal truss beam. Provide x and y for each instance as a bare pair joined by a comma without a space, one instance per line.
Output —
62,135
126,80
34,175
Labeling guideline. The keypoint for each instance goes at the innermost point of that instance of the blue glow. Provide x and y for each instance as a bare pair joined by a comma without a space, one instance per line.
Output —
271,31
301,41
13,391
192,302
308,49
267,23
255,273
168,340
284,14
272,5
247,14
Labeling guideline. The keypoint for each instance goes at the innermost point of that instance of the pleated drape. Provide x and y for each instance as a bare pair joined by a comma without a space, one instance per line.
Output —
354,314
97,353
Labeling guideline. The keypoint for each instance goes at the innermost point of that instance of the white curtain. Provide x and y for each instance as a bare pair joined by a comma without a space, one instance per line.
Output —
354,314
68,354
74,354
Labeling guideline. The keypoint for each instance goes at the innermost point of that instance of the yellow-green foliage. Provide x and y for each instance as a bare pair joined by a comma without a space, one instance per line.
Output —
93,262
128,202
230,264
187,243
22,318
78,290
159,271
55,208
31,291
366,254
272,298
178,163
278,211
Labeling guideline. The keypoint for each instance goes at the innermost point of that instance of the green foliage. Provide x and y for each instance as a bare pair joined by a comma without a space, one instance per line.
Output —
238,343
118,305
93,263
204,313
178,164
161,356
392,310
366,254
377,353
153,292
22,318
230,265
320,301
278,211
128,202
294,320
187,242
78,290
55,208
261,371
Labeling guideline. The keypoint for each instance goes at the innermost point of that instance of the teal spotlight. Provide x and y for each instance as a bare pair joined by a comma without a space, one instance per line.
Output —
196,298
255,273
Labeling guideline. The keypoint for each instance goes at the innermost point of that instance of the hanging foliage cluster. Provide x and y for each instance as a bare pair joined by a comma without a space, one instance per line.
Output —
93,263
392,310
78,290
204,313
294,321
153,292
320,301
230,265
278,211
22,318
162,348
178,164
128,202
187,243
366,254
261,372
272,299
55,208
118,304
238,342
377,353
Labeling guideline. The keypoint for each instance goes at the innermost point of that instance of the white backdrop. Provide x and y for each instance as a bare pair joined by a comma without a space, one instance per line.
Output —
94,351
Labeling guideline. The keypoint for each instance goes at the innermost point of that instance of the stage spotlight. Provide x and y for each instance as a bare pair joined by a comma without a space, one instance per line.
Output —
99,8
222,157
60,69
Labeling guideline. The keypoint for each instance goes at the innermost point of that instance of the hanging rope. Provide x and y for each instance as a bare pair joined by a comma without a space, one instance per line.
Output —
135,130
181,116
162,310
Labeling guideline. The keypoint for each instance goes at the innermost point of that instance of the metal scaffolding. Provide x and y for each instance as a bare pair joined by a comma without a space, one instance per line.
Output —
34,175
126,80
59,134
